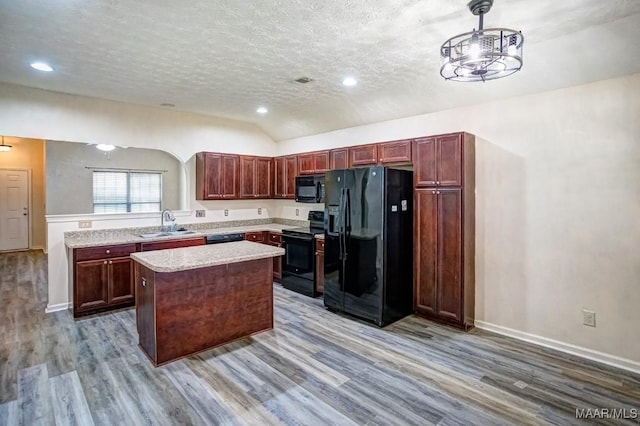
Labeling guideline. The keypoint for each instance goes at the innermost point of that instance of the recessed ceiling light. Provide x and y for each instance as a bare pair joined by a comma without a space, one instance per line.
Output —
105,147
168,105
41,66
262,110
349,81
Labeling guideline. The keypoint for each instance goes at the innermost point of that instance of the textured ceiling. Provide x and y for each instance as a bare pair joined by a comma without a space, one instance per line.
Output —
225,58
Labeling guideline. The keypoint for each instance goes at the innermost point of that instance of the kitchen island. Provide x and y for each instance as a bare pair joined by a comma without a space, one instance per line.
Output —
195,298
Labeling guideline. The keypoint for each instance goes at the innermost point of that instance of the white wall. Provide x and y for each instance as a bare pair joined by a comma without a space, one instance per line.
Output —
557,214
41,114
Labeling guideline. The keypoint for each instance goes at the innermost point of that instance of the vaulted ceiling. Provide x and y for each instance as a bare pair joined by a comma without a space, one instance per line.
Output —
226,58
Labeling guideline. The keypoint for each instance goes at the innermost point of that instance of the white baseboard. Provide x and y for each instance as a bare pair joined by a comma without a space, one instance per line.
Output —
612,360
57,307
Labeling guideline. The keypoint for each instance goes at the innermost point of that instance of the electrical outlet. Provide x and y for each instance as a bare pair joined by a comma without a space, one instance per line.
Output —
297,212
259,210
85,224
588,318
226,212
200,213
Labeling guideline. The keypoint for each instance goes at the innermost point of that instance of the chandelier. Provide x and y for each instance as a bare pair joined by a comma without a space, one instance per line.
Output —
483,54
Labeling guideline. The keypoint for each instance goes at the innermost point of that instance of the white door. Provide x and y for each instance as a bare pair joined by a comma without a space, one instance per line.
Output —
14,209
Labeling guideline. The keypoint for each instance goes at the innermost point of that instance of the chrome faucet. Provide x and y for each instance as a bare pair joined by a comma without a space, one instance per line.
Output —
168,216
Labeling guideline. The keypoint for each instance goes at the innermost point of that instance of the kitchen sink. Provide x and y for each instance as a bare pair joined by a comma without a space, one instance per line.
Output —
185,232
166,234
154,235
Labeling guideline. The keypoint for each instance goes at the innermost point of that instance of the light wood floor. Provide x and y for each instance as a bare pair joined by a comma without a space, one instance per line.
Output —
315,368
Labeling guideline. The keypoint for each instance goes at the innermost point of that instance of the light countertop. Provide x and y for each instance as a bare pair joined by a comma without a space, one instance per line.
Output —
127,236
182,259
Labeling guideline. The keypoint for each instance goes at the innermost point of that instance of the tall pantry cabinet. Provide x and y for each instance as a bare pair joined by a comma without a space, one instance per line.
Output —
444,226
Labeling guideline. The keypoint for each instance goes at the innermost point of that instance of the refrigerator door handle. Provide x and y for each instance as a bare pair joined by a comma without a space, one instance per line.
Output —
348,213
340,222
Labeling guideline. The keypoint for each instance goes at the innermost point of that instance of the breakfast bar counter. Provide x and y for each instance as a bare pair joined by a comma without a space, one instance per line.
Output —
195,298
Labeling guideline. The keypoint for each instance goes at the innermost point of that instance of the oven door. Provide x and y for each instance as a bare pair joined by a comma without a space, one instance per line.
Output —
298,259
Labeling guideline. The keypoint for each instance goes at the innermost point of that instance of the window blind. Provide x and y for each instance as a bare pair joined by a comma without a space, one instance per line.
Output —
127,191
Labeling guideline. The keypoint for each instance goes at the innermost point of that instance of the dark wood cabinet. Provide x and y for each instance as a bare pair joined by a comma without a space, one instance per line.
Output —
272,239
385,153
169,244
363,155
339,159
285,172
102,278
91,291
120,283
396,152
439,253
438,160
444,225
275,239
216,176
256,237
320,265
256,174
313,162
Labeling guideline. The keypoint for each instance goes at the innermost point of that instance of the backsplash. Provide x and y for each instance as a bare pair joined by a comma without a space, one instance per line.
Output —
97,233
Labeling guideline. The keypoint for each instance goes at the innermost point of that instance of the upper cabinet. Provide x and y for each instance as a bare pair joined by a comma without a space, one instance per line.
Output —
256,174
363,155
438,160
216,176
339,158
396,152
285,172
313,162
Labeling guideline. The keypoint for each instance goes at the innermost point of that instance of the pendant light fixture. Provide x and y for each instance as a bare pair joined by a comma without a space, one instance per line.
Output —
3,147
482,54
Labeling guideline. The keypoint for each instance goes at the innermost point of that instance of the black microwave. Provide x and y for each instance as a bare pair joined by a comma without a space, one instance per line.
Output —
310,189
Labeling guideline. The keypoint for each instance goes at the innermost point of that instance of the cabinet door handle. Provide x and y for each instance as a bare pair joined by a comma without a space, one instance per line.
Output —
143,282
437,182
433,192
105,262
108,251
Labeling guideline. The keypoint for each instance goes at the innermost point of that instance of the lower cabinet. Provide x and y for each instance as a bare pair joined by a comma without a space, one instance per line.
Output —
320,265
103,275
169,244
102,281
275,239
272,239
443,288
256,237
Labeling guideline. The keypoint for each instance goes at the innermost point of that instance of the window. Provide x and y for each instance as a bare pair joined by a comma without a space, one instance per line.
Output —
127,191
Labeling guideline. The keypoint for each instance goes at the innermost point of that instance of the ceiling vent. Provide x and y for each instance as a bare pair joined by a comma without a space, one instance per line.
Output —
303,80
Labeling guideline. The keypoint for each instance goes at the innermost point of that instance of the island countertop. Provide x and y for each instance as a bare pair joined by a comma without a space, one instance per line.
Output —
182,259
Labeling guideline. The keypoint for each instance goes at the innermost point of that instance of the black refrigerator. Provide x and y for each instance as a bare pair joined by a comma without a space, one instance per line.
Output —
368,270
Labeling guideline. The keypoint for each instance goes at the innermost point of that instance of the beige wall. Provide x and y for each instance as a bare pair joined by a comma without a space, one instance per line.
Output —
558,208
70,179
29,154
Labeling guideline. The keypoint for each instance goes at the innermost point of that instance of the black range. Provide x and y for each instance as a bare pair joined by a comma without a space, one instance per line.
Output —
298,263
